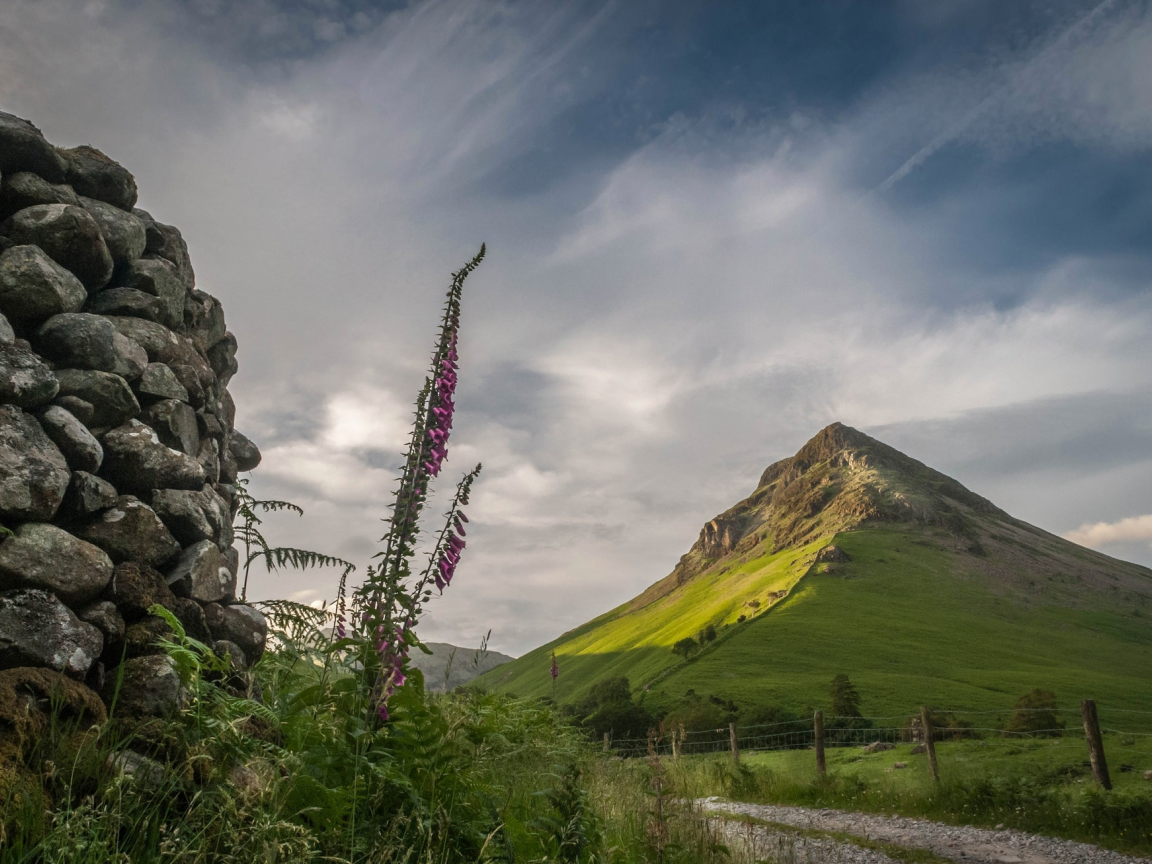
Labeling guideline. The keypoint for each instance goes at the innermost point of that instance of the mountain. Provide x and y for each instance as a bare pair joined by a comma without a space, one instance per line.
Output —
448,666
853,557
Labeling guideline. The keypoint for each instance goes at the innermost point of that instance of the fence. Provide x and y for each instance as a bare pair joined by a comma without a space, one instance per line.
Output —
926,727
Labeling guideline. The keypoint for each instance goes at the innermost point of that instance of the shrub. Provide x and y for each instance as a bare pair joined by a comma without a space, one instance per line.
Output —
1035,713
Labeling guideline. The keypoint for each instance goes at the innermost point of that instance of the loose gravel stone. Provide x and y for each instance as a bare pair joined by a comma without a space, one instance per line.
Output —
955,842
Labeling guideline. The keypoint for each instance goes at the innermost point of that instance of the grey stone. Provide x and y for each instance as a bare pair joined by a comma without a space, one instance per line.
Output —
879,747
81,340
79,408
176,352
36,629
142,637
239,624
69,235
129,302
222,357
145,687
80,448
123,233
105,617
94,175
175,425
204,321
210,426
112,400
33,472
159,382
131,531
197,573
157,277
25,379
23,148
7,334
87,495
225,409
245,453
147,773
33,287
165,242
228,469
136,461
25,189
44,556
135,588
193,516
190,614
230,651
209,458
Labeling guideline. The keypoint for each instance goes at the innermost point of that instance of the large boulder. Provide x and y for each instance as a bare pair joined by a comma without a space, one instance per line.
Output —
174,423
33,287
94,175
25,189
81,340
127,302
43,556
145,687
36,629
23,148
209,458
69,235
33,472
79,408
190,614
136,461
142,637
7,334
112,400
105,617
80,448
193,516
25,380
239,624
159,382
165,242
157,278
222,358
246,454
131,531
204,321
198,574
123,233
135,588
87,495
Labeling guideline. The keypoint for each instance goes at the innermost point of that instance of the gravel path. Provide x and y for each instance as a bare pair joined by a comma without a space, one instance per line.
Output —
957,843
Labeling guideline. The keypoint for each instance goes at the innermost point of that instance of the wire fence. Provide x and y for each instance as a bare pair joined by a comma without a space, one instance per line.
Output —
880,732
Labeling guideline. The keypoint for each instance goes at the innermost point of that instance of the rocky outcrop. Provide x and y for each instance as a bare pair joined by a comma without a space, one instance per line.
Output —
117,444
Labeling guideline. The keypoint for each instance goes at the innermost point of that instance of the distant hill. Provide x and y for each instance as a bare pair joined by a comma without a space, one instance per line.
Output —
466,664
852,557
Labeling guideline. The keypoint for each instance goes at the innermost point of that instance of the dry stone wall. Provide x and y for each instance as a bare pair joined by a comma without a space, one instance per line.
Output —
118,456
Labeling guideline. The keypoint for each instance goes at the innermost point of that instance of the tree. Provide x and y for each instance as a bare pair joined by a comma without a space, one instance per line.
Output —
845,697
708,634
1036,713
685,647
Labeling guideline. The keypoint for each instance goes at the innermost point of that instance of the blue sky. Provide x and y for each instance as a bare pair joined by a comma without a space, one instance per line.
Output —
714,229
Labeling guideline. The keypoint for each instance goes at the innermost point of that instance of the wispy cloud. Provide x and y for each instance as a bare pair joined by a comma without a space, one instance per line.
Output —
1133,529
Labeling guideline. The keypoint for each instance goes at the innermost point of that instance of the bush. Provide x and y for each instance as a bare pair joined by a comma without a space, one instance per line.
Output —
1035,713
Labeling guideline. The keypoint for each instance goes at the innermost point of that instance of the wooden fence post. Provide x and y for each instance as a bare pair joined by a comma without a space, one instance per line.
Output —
606,742
675,743
1095,743
732,738
930,742
818,724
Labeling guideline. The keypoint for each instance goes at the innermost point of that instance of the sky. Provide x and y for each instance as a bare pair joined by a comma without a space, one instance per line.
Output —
713,229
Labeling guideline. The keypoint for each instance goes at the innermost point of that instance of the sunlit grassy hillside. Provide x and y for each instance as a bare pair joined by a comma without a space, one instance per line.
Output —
948,601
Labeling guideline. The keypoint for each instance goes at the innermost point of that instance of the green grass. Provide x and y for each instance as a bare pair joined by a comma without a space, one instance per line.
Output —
910,620
1042,786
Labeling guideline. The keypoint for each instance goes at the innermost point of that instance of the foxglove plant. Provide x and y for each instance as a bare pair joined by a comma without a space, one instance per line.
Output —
391,599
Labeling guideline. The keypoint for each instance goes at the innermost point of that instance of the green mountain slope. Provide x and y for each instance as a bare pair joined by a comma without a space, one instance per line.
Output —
928,594
449,666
